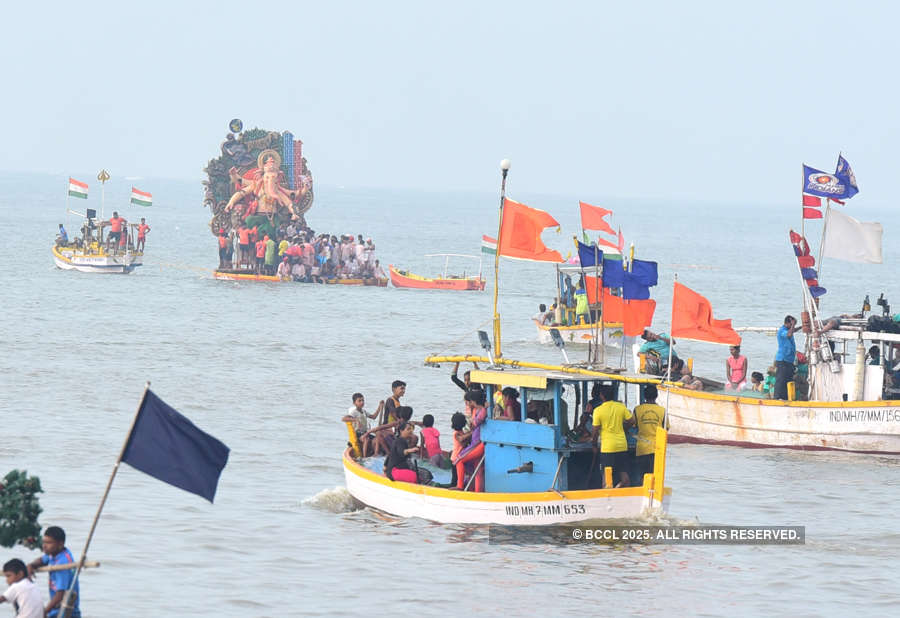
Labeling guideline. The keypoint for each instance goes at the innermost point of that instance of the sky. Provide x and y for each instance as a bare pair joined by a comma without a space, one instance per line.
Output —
707,101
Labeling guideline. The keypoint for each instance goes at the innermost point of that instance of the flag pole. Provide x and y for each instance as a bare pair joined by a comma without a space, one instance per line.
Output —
598,290
504,169
68,602
669,364
802,218
822,242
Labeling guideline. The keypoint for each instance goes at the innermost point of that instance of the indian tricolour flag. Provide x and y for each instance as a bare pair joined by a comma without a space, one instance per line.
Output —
140,198
78,189
488,245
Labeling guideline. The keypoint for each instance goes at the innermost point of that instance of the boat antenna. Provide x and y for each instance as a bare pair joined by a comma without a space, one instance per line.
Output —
103,176
504,170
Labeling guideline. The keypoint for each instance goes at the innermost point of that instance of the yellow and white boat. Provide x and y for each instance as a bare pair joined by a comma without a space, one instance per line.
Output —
534,473
93,258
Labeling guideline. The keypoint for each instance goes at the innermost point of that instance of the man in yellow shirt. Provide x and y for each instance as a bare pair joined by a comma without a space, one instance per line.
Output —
610,419
649,416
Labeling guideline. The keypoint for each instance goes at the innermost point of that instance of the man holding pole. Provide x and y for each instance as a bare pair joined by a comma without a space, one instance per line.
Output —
56,552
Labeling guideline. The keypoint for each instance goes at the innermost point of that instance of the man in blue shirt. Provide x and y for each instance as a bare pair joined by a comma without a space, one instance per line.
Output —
63,238
56,552
784,358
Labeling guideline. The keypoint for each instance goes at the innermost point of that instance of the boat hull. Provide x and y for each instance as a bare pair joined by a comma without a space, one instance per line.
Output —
399,280
225,275
857,426
67,258
581,334
511,509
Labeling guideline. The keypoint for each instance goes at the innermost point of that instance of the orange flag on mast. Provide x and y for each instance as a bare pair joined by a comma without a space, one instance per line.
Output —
592,218
692,318
520,233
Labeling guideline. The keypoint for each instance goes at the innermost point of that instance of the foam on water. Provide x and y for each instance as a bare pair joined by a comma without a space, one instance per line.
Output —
334,500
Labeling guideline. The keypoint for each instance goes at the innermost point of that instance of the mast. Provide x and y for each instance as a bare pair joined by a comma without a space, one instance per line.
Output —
504,170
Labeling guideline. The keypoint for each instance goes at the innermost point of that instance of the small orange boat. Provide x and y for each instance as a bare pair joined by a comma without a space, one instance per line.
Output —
406,279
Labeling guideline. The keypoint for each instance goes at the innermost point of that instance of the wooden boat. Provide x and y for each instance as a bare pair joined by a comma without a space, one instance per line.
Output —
535,474
866,423
406,279
243,275
381,283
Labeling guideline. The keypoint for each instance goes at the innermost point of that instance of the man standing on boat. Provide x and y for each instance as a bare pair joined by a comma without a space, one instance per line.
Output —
784,358
116,225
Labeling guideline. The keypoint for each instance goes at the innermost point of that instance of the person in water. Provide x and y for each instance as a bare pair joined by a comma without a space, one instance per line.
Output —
735,369
397,464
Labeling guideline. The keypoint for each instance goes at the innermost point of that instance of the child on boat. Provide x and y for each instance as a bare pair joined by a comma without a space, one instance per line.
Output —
397,464
22,593
358,416
432,441
769,384
756,382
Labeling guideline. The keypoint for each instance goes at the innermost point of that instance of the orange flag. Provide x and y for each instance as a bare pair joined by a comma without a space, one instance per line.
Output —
638,316
520,233
692,319
592,218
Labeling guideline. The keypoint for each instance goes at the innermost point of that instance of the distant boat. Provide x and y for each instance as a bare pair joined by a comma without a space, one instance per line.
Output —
88,253
406,279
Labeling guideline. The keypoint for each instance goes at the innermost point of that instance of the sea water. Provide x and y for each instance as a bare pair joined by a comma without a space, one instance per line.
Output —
270,368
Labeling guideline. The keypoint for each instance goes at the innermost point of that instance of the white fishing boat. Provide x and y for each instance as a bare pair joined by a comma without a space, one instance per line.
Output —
853,387
849,409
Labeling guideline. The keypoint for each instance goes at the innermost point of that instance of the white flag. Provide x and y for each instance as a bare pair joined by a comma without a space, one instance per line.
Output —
851,240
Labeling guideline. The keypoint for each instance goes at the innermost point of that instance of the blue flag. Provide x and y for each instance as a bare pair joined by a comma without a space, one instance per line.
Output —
169,447
808,273
816,291
823,184
637,283
845,173
589,255
613,273
633,289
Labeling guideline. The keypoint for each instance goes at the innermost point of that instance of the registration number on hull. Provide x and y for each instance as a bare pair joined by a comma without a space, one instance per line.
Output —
543,510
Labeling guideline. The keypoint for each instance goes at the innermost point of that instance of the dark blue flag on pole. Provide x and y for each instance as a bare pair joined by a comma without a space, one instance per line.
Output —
823,184
589,255
169,447
613,273
639,280
845,173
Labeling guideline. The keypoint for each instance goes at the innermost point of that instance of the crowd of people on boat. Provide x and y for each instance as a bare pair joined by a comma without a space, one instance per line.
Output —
296,253
118,240
624,440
